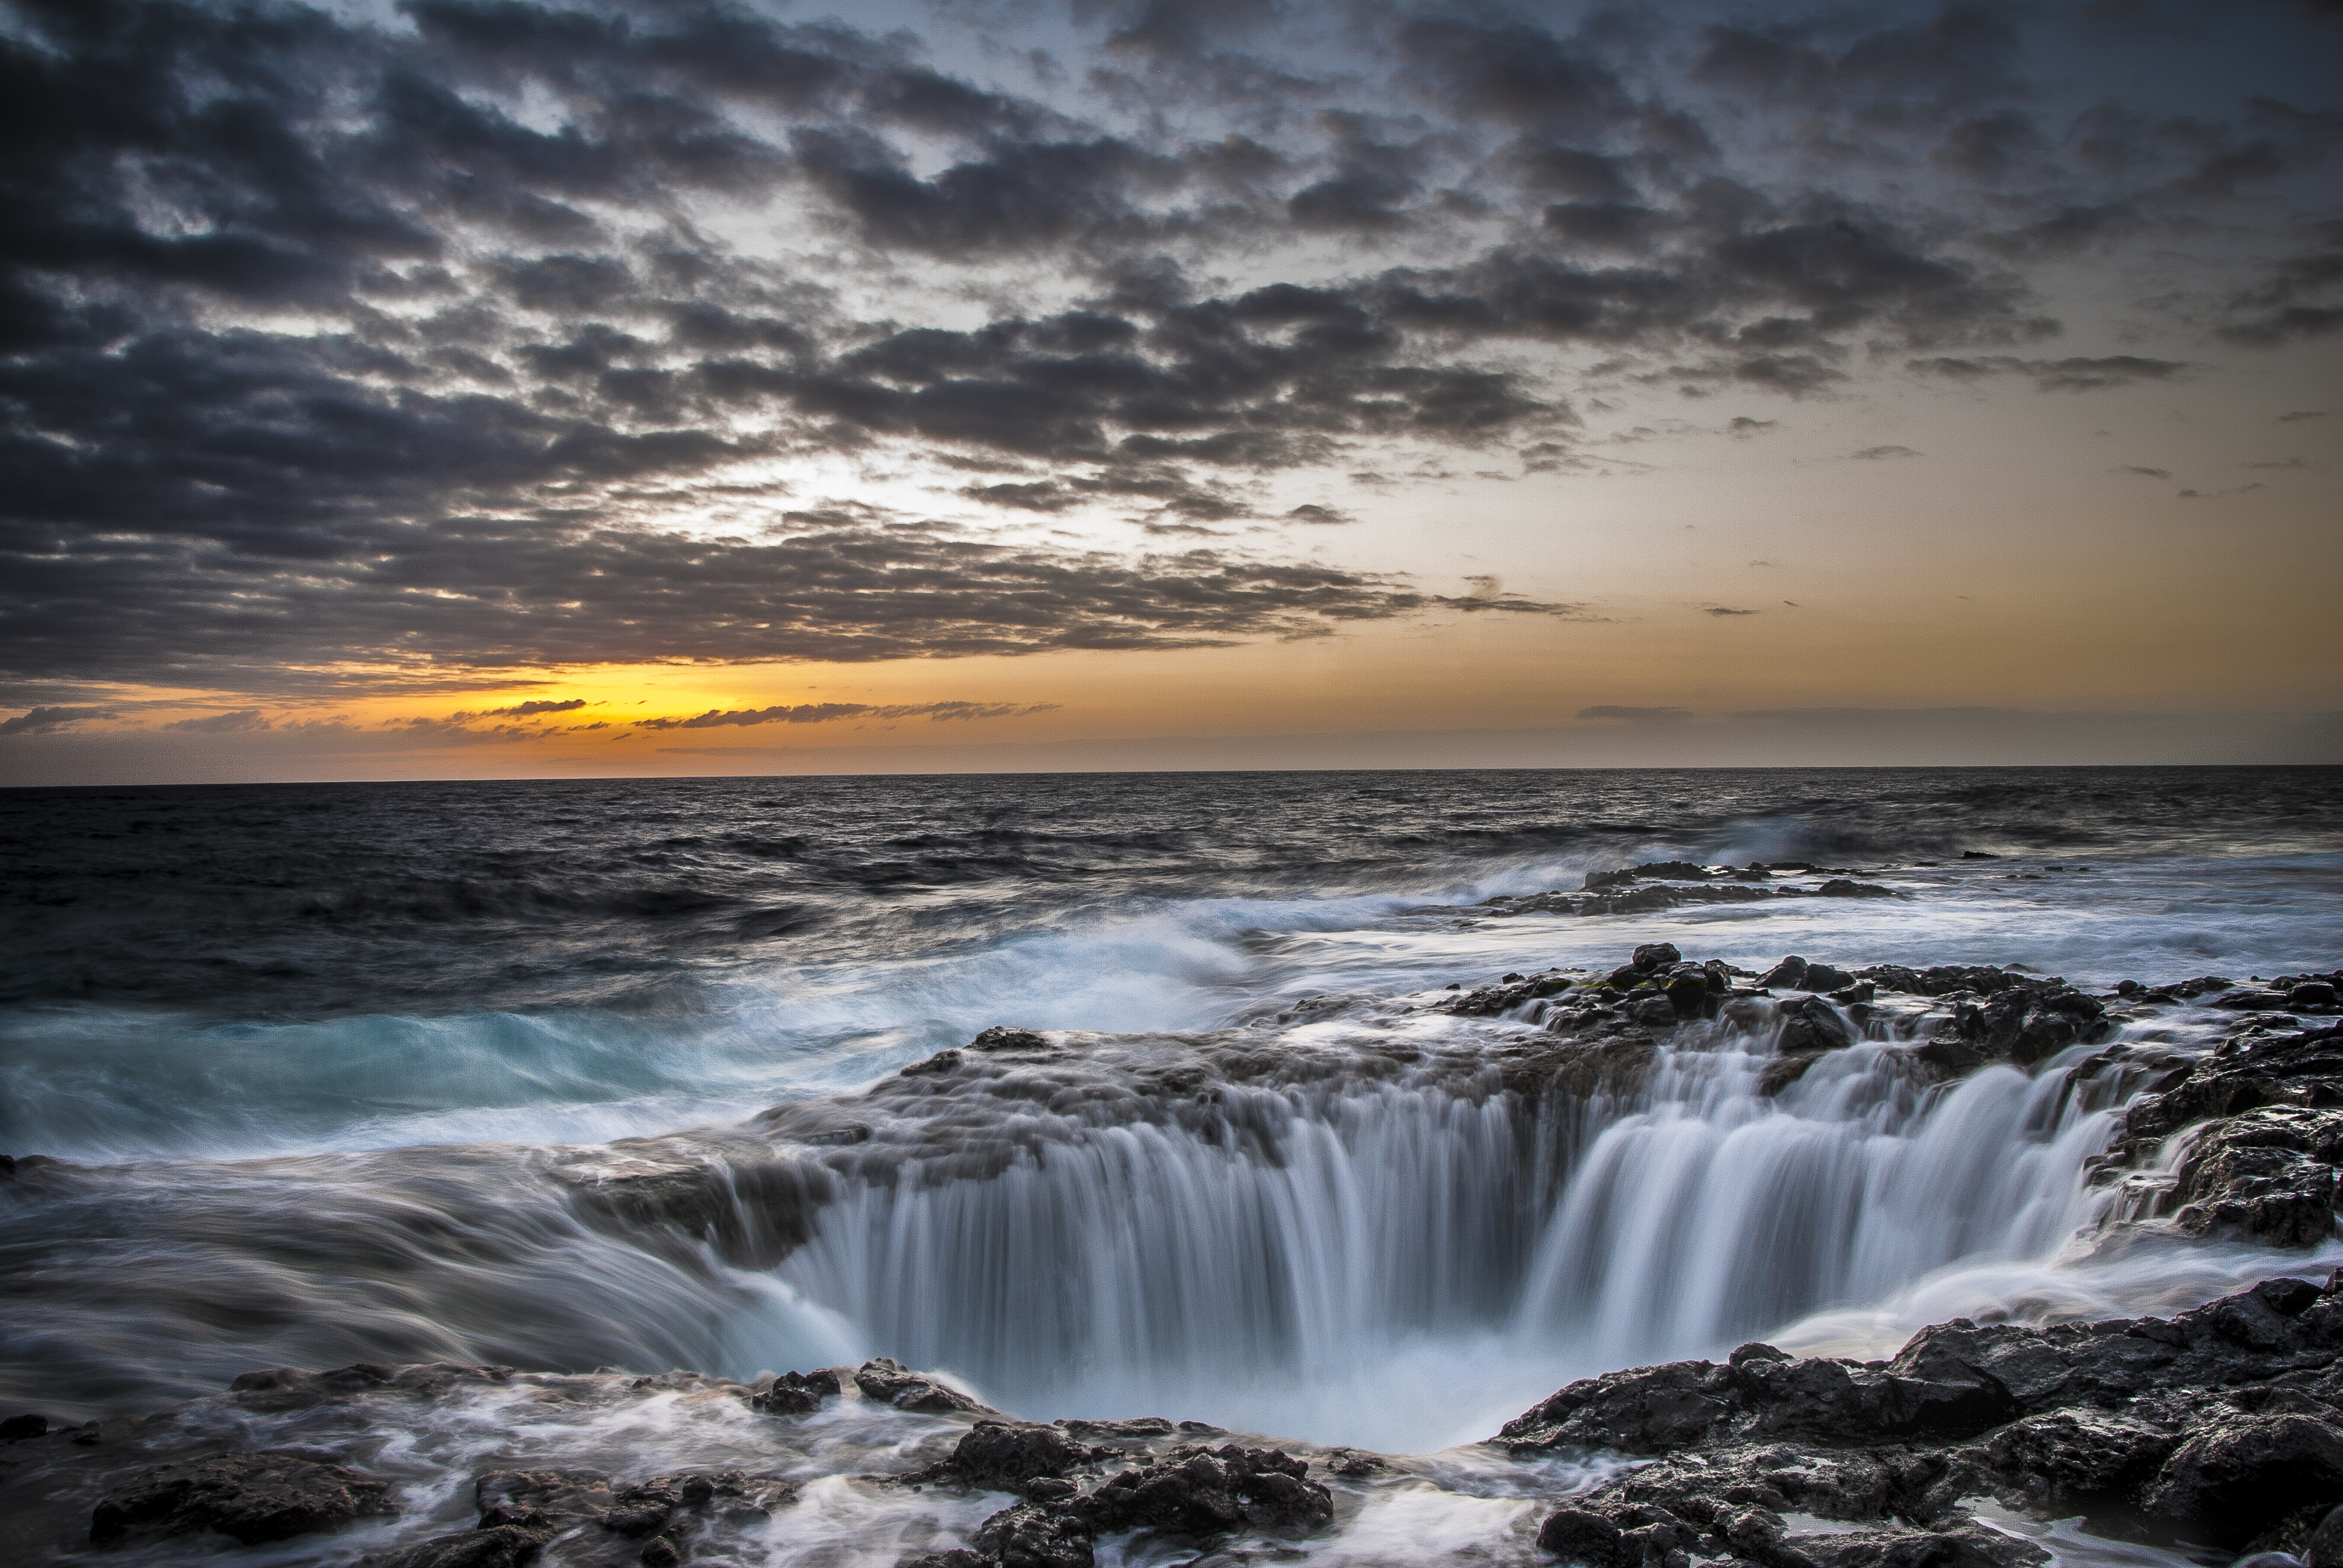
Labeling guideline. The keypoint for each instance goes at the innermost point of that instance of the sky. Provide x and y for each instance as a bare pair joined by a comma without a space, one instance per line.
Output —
497,388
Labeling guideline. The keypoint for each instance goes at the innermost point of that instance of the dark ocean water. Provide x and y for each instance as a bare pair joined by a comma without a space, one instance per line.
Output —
291,902
319,1056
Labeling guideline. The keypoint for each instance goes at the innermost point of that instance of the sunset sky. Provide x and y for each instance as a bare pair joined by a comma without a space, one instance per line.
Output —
451,390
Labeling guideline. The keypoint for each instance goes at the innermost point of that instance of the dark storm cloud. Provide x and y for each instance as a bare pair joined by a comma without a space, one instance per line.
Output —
326,341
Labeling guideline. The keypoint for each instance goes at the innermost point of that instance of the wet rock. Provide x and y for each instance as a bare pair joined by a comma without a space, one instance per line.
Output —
1812,1024
17,1428
892,1382
250,1497
1206,1491
999,1037
1651,956
1653,1011
2311,993
1821,977
1843,887
1010,1455
2211,1421
276,1388
502,1546
1487,1001
1032,1535
797,1394
542,1499
2063,1458
2270,1174
1790,974
2244,1471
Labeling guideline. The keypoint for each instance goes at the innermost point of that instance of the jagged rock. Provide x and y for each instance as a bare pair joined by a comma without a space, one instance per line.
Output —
1812,1024
1032,1535
1205,1491
2244,1471
1487,1001
2219,1421
1011,1455
251,1497
797,1394
999,1037
2269,1173
892,1382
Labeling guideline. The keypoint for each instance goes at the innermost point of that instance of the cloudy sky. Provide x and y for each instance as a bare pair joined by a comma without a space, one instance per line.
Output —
460,387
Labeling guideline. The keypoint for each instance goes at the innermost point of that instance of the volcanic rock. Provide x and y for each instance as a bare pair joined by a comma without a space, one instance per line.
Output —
2214,1422
252,1497
892,1382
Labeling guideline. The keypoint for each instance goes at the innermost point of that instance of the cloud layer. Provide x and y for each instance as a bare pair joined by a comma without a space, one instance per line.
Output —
499,334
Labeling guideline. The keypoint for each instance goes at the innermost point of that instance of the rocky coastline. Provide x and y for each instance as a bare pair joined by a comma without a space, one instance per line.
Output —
2217,1431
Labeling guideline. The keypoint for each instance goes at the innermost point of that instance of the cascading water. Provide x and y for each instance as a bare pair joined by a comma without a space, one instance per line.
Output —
1388,1259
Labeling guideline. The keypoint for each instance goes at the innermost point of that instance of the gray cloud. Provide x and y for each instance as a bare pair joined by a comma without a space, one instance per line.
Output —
2071,375
1875,454
237,721
42,720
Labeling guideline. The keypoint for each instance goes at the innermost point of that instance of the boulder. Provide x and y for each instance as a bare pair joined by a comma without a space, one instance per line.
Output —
2244,1471
892,1382
1651,957
1010,1455
250,1497
796,1393
1000,1037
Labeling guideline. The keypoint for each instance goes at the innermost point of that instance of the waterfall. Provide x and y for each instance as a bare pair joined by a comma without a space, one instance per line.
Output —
1400,1241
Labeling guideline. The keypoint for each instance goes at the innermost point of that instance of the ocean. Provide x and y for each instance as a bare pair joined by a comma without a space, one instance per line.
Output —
353,1072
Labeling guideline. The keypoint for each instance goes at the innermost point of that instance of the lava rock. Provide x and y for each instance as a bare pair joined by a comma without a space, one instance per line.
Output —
251,1497
2271,1174
797,1394
999,1037
2248,1470
892,1382
1843,888
1007,1456
1205,1491
1811,1025
2220,1421
1032,1535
